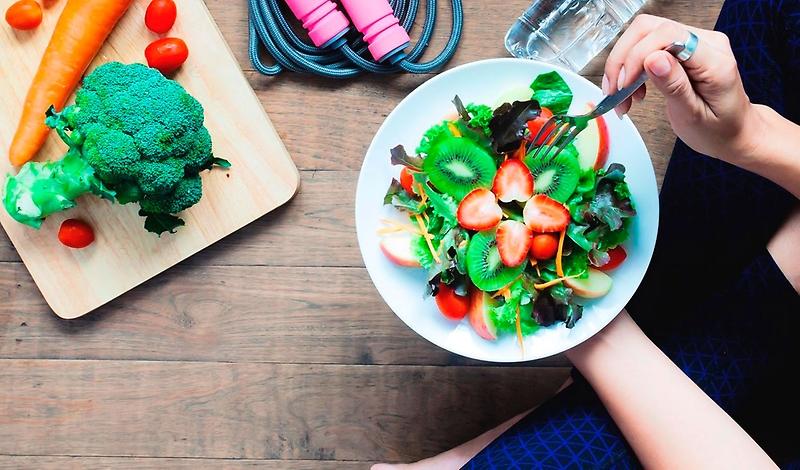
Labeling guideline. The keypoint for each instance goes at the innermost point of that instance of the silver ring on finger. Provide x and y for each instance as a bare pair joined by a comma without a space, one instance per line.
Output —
684,50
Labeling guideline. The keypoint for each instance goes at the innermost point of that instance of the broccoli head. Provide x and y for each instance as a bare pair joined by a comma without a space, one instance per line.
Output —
134,136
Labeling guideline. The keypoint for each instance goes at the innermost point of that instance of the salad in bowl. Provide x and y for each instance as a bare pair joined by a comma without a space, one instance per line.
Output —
511,238
511,244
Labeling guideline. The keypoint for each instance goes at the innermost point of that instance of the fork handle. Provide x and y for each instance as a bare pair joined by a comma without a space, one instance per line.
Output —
613,100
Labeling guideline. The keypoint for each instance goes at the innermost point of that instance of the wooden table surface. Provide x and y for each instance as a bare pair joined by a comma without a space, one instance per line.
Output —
271,348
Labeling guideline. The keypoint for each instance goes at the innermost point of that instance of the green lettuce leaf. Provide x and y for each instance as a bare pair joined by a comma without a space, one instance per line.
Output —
504,314
552,92
397,196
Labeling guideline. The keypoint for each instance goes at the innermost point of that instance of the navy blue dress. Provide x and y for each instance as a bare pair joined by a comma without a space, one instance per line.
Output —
713,299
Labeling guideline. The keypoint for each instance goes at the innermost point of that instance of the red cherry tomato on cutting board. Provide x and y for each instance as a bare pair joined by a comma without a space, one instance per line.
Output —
535,125
452,305
617,256
24,14
160,16
166,54
75,233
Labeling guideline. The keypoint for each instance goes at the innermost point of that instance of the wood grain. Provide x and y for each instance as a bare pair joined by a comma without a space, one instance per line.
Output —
243,312
199,313
262,178
14,462
255,411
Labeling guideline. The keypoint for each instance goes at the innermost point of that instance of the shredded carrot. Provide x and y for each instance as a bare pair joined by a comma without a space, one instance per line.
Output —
400,226
555,281
505,292
519,333
428,237
520,153
453,129
423,194
559,253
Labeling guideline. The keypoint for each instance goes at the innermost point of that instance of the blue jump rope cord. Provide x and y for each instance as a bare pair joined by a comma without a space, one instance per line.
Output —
341,59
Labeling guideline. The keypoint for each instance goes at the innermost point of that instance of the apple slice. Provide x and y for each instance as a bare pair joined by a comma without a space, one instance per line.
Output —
592,144
479,303
398,249
596,285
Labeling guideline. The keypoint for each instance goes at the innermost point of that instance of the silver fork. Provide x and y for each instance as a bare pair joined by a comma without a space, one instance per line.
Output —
561,129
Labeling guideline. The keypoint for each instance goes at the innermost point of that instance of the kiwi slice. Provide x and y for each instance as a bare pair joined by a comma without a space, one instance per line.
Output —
458,165
485,268
556,177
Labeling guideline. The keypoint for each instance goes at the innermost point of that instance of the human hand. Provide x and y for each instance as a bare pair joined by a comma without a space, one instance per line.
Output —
706,103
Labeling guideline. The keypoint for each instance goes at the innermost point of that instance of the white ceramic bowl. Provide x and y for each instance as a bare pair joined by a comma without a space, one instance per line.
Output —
403,288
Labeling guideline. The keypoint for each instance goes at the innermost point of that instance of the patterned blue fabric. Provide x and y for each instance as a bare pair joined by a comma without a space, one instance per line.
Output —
733,328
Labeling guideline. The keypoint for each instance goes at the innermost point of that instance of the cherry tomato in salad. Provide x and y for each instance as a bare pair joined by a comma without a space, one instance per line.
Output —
543,246
75,233
407,180
24,14
160,16
452,305
535,125
166,54
617,256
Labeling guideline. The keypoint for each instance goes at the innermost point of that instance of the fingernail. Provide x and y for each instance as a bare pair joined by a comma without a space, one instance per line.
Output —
619,113
605,84
621,79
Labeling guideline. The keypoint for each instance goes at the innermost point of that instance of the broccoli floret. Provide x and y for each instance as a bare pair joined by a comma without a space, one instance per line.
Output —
139,136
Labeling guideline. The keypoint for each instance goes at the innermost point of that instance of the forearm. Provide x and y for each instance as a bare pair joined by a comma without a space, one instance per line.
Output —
771,148
668,421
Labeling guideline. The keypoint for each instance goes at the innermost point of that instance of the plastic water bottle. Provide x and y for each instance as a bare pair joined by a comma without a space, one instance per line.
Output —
568,32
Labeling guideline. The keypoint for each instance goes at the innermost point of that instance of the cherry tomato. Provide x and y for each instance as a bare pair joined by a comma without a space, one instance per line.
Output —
452,305
75,233
407,180
536,125
166,54
544,246
617,256
24,14
160,16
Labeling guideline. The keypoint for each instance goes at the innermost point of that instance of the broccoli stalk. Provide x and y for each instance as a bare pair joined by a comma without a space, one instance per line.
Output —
133,136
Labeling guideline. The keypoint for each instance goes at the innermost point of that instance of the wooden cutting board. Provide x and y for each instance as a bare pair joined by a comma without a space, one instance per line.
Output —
124,255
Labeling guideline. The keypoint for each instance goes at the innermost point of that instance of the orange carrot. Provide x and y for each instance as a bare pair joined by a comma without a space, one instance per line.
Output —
81,30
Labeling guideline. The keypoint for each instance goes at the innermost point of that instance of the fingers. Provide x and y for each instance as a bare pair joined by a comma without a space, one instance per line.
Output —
641,26
671,79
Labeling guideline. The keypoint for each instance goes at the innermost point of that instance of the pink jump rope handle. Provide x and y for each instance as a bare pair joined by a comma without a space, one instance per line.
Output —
323,21
381,29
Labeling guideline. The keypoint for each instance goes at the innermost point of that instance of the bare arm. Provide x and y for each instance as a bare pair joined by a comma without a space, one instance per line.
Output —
772,149
668,421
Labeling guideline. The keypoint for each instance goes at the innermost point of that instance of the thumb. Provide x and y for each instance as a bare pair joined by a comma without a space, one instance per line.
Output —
671,80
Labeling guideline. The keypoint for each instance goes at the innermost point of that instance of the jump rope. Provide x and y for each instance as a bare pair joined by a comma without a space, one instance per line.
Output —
338,52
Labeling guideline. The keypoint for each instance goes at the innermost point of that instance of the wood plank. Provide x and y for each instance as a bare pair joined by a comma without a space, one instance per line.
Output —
252,411
234,313
262,178
9,462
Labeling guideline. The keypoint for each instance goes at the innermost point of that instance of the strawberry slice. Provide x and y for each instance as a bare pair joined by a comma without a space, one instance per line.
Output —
544,214
513,242
513,181
479,210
